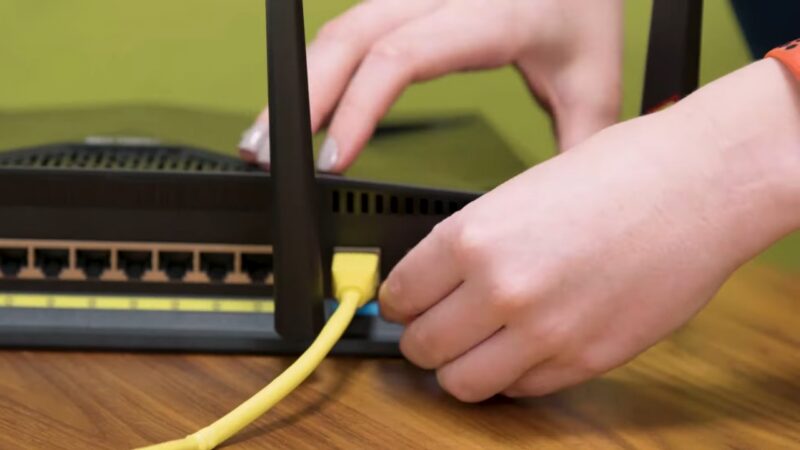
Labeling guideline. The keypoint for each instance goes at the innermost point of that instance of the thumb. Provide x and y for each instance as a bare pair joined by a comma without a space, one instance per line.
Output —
576,124
584,101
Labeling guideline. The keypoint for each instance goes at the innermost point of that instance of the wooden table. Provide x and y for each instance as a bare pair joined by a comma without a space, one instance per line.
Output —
730,379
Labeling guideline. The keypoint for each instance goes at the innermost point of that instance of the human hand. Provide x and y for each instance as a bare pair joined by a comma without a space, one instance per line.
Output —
579,264
568,51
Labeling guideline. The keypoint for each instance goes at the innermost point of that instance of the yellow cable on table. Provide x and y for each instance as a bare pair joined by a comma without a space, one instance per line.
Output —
355,279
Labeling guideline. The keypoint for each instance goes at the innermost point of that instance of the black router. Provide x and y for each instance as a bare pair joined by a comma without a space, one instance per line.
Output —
123,244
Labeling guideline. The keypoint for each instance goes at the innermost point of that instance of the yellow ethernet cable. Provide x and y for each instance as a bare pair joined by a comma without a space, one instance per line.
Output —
355,280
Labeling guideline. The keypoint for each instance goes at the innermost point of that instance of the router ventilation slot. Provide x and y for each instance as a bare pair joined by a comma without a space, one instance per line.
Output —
157,158
364,202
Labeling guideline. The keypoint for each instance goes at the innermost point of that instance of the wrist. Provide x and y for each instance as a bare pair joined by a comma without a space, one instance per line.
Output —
748,126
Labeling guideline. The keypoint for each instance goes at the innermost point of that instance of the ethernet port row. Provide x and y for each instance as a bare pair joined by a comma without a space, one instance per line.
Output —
134,263
93,262
51,261
217,266
117,261
258,266
12,260
175,264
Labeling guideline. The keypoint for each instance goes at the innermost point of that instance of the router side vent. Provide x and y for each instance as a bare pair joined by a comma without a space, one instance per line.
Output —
372,203
147,158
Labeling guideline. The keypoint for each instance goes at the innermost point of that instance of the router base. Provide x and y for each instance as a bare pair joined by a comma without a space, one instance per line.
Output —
172,331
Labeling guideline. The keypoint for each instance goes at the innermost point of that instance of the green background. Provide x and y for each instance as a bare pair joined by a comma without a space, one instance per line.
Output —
208,55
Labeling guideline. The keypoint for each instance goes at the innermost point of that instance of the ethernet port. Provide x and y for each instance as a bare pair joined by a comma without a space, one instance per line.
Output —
93,262
216,265
51,261
12,260
134,263
175,264
257,266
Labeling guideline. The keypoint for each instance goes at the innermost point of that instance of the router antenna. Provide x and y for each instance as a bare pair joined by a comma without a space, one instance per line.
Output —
673,52
296,240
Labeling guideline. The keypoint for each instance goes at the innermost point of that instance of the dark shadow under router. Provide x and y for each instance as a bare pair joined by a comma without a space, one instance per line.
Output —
124,244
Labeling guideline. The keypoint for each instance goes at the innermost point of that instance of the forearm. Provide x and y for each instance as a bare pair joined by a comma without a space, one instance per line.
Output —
749,124
752,117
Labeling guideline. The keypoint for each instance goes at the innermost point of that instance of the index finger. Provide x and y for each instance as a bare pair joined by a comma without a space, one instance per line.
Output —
341,44
332,58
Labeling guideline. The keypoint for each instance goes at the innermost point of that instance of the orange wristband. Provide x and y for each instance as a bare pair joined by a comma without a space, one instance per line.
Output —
789,55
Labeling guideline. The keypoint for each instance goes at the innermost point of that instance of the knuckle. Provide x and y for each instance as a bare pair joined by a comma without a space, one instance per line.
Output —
552,336
396,59
442,230
458,386
334,31
351,106
469,243
390,49
508,295
419,347
510,291
445,229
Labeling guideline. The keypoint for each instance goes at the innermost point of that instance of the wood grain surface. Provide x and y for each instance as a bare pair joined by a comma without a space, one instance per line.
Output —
730,379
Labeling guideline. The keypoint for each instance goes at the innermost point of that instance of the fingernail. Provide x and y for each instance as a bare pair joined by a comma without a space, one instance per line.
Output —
384,299
254,137
383,292
328,156
388,290
263,155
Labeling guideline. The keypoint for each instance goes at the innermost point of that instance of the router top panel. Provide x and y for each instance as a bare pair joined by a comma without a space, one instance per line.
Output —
96,155
460,152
